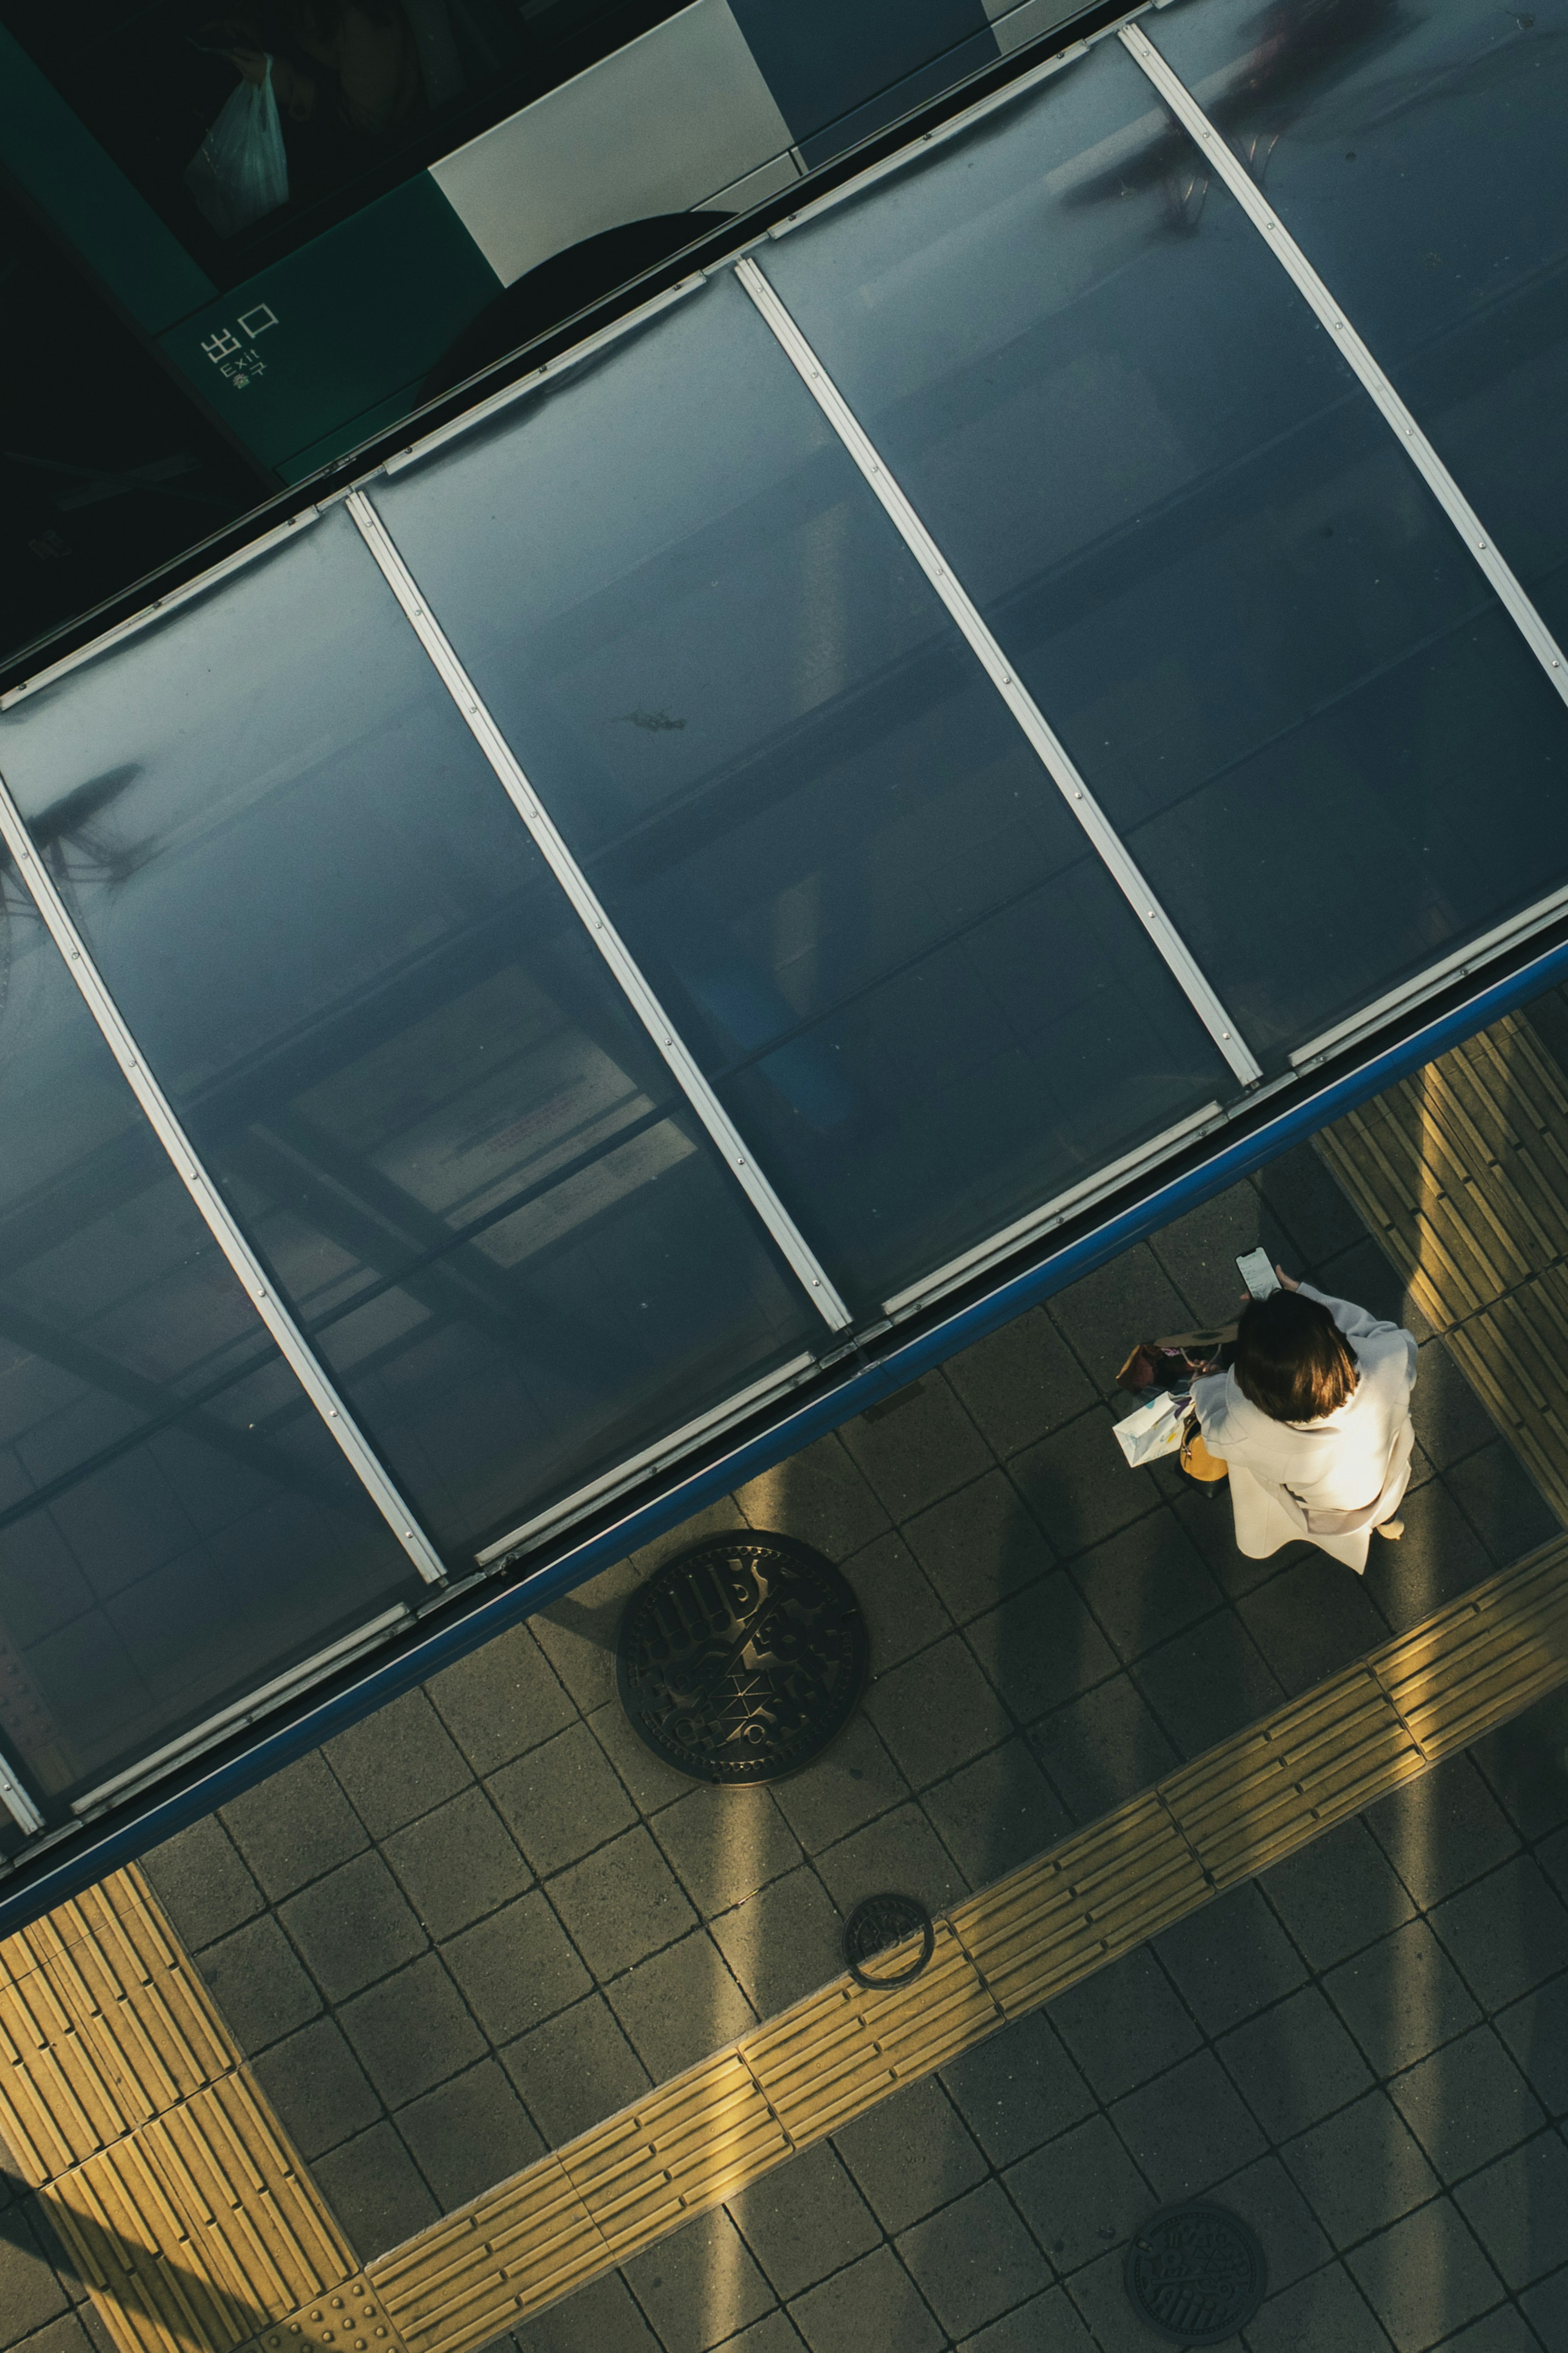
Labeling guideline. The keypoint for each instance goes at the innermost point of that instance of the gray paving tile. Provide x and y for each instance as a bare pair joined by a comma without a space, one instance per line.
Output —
1199,1250
1078,1486
1021,1383
1124,2025
1101,1748
901,1609
621,1903
1536,2030
1041,1646
1508,1933
899,1852
376,2191
1338,1895
681,2004
1525,1763
852,1781
517,1967
1298,1190
398,1764
1230,1959
978,1546
923,1450
936,1712
575,2069
996,1813
774,2333
411,2032
1293,2238
501,1699
805,2220
74,2332
1081,2194
974,2260
1146,1584
578,1633
1501,1503
469,2134
1552,1856
1450,1417
1501,2331
1359,2169
352,1926
820,1496
1188,2129
652,1783
317,2086
603,2317
1401,1998
1362,1274
1295,2064
1438,1557
1017,2088
1108,1312
726,1843
1046,2324
1208,1682
30,2295
1311,1619
699,2286
716,1518
910,2154
1323,2314
1424,2276
783,1942
871,2307
294,1826
1545,2306
1519,2208
1467,2103
562,1800
457,1864
202,1882
257,1983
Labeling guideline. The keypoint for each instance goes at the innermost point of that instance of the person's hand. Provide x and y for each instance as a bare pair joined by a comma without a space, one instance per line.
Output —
1287,1280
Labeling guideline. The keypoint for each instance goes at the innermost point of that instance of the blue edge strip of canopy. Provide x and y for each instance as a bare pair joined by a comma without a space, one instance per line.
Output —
205,1786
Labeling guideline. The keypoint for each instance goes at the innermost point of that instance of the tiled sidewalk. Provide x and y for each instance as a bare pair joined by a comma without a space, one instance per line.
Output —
487,1917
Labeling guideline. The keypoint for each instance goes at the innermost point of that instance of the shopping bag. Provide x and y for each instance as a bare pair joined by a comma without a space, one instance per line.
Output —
1151,1429
1169,1364
240,170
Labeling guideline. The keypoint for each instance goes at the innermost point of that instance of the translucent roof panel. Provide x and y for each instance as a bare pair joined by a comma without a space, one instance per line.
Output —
392,1041
176,1525
1241,608
1421,157
911,981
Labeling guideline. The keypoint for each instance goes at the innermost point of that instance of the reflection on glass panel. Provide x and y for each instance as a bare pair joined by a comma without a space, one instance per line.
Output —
1232,595
176,1525
1419,155
810,815
391,1039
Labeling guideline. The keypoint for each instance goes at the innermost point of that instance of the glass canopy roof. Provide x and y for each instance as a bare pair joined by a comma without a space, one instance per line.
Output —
682,869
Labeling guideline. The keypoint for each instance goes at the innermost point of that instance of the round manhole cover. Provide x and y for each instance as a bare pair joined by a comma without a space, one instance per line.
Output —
1195,2274
740,1659
876,1929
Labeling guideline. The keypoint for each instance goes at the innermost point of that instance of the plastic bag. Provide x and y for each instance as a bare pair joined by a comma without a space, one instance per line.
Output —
1153,1429
240,170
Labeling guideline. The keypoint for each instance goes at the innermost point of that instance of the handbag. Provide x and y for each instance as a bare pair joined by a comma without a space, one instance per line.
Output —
1194,1458
1151,1429
1170,1363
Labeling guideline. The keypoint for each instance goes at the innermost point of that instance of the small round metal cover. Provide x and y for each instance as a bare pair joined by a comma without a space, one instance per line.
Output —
1195,2274
741,1658
877,1926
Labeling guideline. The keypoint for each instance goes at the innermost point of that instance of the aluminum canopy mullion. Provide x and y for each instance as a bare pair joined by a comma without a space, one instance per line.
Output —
585,904
1216,148
1042,738
188,1166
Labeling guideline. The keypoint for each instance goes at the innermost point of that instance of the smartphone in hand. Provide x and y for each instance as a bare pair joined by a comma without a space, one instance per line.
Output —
1256,1271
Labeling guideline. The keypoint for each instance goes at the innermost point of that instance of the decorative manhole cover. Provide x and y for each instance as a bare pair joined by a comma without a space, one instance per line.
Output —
1195,2274
878,1925
740,1659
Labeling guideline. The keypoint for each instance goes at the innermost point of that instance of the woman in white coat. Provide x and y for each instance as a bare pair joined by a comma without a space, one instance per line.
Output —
1313,1420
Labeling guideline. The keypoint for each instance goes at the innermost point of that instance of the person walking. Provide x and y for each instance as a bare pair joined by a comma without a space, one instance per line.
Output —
1313,1420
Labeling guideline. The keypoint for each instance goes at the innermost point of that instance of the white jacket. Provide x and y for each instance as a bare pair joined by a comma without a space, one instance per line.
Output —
1330,1480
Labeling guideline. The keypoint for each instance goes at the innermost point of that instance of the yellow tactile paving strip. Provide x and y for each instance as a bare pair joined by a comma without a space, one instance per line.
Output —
199,2231
1461,1171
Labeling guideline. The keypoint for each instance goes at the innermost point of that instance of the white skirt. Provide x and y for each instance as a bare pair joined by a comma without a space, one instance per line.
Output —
1267,1516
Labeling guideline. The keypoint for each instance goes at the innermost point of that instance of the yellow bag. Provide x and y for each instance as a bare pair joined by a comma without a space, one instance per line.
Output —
1196,1459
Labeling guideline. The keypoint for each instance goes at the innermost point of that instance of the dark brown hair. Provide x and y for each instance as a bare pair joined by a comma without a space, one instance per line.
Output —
1291,1359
